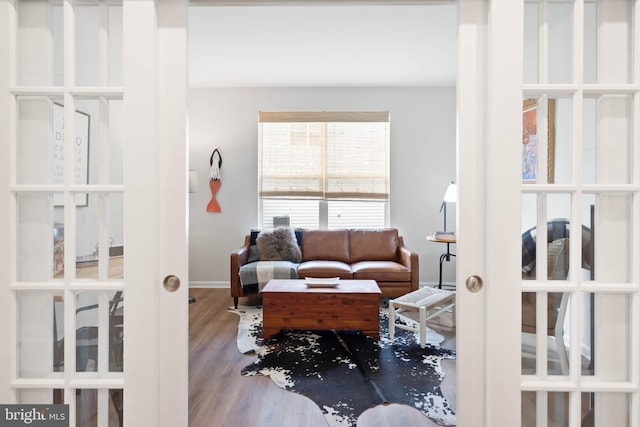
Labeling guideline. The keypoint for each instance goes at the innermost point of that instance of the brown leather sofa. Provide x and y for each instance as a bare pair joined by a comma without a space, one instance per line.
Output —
373,254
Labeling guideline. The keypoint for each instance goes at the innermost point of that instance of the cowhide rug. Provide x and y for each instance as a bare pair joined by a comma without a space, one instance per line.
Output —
346,373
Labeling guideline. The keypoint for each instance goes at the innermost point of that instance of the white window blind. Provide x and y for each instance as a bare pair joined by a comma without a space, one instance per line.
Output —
324,155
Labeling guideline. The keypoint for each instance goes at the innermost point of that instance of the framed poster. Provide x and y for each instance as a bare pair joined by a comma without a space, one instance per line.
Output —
80,150
530,142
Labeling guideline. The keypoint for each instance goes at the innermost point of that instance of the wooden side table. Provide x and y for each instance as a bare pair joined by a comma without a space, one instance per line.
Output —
448,239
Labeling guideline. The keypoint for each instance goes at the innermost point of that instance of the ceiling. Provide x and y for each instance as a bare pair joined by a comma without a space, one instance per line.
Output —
326,45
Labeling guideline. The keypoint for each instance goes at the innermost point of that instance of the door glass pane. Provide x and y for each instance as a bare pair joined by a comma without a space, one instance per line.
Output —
39,152
590,69
87,327
546,140
558,333
39,348
560,145
528,409
560,46
587,212
607,139
98,44
531,43
612,336
99,331
99,123
99,226
116,331
529,344
39,50
89,402
39,396
548,48
612,238
608,28
614,408
587,333
558,409
529,223
554,406
529,272
40,238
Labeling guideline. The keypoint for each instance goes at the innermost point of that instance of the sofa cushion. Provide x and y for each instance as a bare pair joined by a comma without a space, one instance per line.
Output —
320,268
381,271
373,244
330,245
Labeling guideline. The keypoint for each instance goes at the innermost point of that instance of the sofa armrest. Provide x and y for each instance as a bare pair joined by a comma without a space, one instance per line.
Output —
409,259
239,257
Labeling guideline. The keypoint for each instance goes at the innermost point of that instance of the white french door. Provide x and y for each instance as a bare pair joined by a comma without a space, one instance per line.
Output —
549,118
94,209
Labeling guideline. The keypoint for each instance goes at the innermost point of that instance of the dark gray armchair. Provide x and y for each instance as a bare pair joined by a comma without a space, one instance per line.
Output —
558,235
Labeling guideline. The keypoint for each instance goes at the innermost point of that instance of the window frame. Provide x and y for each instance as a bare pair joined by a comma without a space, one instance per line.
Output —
323,194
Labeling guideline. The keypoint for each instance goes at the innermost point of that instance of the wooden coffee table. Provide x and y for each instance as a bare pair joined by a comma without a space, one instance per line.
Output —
351,305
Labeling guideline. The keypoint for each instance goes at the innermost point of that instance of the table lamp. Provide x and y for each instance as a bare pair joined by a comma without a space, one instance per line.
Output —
450,196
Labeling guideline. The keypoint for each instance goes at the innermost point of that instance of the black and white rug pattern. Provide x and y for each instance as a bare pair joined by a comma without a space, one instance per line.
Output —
346,373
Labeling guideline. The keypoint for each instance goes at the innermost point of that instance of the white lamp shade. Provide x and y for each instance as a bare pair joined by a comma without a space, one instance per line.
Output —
451,195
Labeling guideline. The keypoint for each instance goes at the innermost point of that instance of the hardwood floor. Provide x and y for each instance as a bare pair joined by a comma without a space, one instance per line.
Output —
220,396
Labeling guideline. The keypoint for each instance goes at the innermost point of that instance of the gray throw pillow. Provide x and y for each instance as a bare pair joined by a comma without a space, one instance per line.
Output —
278,245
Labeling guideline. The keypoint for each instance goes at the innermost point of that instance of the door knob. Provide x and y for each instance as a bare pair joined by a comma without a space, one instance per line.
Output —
171,283
474,283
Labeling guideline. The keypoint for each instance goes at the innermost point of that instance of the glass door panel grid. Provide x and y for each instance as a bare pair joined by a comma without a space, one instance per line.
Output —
68,57
600,142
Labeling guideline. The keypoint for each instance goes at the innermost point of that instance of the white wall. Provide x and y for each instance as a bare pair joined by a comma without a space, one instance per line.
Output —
423,132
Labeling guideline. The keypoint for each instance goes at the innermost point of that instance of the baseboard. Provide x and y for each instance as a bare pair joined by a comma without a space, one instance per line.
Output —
224,284
445,285
210,284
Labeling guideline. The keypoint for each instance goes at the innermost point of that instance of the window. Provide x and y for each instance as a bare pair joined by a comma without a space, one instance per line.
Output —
324,169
